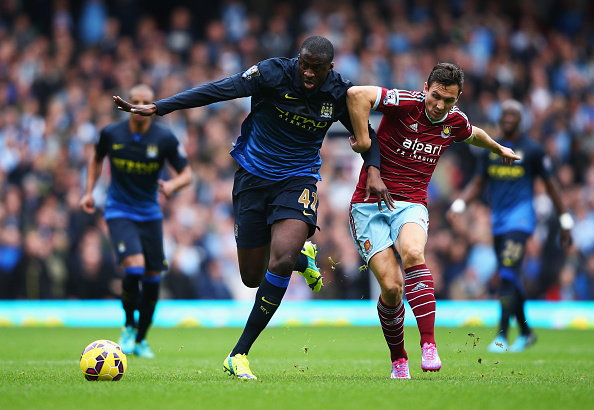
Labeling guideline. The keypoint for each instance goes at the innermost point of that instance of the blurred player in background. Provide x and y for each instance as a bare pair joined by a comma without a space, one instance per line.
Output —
513,219
294,102
137,149
416,129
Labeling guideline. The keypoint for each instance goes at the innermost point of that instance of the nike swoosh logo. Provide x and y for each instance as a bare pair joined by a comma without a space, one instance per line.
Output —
288,97
116,147
270,303
306,214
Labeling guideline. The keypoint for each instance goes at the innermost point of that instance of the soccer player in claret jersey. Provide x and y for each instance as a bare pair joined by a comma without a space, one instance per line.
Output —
137,149
513,219
415,130
294,102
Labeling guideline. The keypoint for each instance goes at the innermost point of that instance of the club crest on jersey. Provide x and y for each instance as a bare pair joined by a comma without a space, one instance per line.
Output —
446,132
152,151
251,72
121,247
367,246
327,110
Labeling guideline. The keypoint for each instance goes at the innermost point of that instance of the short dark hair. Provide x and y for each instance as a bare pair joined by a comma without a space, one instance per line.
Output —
446,74
319,46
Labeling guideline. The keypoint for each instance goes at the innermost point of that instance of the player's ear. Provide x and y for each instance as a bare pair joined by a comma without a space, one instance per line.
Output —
331,65
425,88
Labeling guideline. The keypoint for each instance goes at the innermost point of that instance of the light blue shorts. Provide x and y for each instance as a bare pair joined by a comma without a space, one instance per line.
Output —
373,231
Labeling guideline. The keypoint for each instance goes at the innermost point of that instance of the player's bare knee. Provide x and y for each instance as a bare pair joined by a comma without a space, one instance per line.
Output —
396,290
250,283
413,256
152,273
282,266
133,260
252,279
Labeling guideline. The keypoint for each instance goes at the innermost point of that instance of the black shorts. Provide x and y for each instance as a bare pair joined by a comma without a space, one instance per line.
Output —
259,202
130,237
510,248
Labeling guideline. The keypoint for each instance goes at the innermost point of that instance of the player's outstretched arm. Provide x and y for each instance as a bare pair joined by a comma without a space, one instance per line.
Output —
481,139
144,110
359,103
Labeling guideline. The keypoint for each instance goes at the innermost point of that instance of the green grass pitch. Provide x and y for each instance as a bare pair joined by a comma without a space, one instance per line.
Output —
298,368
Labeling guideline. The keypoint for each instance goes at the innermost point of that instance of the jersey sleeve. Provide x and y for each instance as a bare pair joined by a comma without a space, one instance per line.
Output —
102,145
462,128
176,154
396,101
265,74
221,90
543,165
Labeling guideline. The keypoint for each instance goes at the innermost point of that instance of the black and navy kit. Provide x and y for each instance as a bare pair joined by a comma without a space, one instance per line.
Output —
282,135
136,163
511,194
511,187
130,237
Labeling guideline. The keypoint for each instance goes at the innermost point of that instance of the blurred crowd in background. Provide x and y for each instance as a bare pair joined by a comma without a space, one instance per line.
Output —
61,61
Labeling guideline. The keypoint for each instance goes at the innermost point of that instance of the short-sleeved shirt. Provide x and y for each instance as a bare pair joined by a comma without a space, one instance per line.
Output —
411,144
511,187
136,162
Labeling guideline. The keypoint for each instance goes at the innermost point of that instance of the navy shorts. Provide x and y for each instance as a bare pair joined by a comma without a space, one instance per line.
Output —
259,202
510,248
133,237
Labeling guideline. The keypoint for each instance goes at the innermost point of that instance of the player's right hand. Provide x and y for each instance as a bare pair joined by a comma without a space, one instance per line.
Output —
375,186
144,110
87,203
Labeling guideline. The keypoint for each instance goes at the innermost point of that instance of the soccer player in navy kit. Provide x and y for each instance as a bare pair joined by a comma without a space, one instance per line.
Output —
416,129
137,149
513,219
294,102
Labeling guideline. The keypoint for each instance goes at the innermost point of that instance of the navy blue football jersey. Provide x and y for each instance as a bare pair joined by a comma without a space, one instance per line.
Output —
511,187
282,135
136,163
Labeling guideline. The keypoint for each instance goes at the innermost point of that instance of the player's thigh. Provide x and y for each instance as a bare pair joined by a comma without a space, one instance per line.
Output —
510,249
410,227
250,209
295,198
125,238
370,229
151,236
251,196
